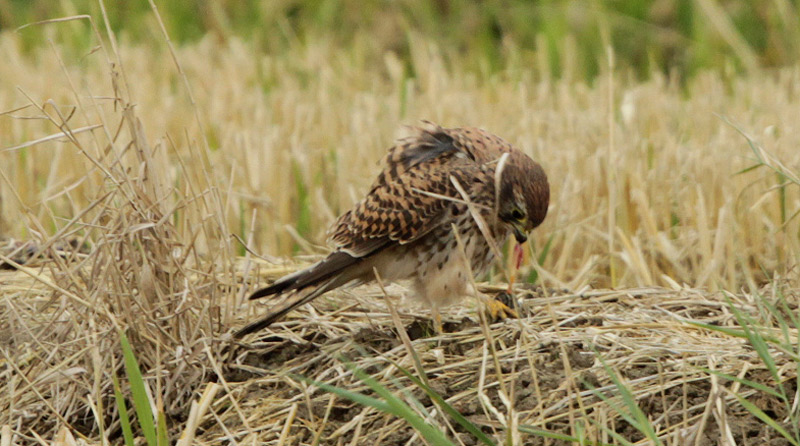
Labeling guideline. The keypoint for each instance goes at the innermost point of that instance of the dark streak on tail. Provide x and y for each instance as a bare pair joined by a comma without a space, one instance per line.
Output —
280,311
327,274
335,263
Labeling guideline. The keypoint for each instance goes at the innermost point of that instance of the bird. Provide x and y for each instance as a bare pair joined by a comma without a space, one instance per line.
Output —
443,196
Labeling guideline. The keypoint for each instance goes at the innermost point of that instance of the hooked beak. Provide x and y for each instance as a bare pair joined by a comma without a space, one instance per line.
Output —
519,234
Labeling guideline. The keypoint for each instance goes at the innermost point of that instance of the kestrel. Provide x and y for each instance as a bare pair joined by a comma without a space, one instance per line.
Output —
434,183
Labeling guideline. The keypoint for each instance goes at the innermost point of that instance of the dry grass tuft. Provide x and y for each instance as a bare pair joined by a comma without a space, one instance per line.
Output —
146,255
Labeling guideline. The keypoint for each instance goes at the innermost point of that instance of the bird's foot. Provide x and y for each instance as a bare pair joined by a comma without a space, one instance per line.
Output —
499,308
437,322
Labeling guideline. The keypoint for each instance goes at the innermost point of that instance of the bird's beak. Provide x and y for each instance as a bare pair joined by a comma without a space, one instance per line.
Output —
519,234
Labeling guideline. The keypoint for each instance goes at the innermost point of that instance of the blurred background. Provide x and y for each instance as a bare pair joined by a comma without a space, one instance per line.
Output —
566,38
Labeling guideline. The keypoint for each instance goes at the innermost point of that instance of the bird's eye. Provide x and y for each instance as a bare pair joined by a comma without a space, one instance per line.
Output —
516,214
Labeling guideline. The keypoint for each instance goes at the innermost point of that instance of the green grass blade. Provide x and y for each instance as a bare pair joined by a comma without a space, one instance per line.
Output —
390,404
617,408
163,436
635,415
748,169
790,219
614,434
782,180
772,312
141,402
726,330
785,348
730,331
759,344
795,320
124,421
546,249
358,398
432,434
746,382
446,407
753,409
303,204
554,435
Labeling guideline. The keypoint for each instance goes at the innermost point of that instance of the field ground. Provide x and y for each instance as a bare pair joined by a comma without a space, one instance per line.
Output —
549,368
138,181
545,370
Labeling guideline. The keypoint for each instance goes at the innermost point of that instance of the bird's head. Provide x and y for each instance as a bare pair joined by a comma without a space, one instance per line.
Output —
524,194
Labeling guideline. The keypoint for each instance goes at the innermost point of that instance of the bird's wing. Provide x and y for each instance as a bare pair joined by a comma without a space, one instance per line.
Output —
406,201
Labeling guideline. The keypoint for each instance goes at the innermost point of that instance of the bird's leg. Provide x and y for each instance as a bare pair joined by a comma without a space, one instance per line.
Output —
500,306
496,308
437,320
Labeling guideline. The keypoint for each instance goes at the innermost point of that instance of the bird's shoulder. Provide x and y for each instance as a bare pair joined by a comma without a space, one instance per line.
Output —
413,192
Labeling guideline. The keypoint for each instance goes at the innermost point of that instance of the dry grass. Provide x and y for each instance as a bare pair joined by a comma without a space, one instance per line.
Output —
256,143
298,140
548,368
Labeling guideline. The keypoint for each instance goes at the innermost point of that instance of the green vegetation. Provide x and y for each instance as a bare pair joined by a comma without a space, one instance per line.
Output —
773,336
561,38
154,433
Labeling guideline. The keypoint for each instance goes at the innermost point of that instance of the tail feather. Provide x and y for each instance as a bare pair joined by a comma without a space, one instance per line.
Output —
324,269
277,313
327,274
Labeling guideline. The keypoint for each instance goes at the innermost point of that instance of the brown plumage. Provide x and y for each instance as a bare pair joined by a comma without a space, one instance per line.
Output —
403,227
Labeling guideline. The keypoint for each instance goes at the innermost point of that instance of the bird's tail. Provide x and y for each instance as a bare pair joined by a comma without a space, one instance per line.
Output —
280,311
325,275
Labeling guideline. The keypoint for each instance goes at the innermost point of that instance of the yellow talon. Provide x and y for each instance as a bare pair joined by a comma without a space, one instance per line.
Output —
499,310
